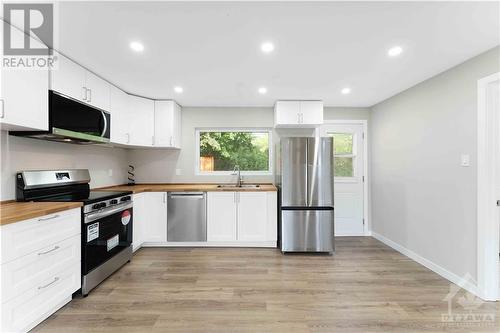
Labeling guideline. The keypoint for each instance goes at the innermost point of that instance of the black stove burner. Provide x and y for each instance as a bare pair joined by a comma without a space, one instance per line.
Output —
86,197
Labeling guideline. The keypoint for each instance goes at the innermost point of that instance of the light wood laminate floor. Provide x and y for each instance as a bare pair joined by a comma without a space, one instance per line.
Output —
364,287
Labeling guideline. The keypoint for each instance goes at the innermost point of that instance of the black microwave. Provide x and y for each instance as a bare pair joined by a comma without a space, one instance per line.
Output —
73,121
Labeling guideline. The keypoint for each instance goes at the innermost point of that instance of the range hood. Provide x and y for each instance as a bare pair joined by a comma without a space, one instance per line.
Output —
72,121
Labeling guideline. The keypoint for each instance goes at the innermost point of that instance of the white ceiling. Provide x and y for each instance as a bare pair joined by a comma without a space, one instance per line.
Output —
213,51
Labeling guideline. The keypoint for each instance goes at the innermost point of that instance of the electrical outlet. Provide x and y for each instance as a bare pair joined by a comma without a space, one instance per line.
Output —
178,172
110,172
465,160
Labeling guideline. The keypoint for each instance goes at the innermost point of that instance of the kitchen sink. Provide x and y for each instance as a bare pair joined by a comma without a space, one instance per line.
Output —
235,186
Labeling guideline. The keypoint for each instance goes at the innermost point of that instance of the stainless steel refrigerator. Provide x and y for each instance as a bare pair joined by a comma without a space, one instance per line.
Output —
305,181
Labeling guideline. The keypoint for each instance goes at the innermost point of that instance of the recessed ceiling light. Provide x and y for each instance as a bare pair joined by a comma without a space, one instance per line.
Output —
267,47
346,91
394,51
262,90
178,90
136,46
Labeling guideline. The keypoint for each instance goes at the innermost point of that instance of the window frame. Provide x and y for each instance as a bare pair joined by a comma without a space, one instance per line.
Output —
269,131
353,155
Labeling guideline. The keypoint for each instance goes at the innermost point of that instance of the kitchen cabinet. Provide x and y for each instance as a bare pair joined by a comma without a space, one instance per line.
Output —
72,80
40,268
24,94
141,120
299,114
139,221
167,122
154,217
241,217
221,216
252,221
120,116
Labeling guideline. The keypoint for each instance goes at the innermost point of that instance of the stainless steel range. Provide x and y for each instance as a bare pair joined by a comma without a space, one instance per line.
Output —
106,218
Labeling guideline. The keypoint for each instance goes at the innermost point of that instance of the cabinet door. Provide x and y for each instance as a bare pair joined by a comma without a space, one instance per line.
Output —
164,122
287,112
155,221
98,93
139,221
221,216
142,121
311,112
68,78
120,122
24,95
177,126
252,216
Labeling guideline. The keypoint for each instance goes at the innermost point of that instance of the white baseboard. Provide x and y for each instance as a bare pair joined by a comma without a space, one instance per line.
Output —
452,277
268,244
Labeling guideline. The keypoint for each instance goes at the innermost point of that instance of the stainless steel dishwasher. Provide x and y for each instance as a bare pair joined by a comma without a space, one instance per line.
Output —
187,217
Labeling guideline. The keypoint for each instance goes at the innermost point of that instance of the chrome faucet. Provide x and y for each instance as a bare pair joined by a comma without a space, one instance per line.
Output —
236,171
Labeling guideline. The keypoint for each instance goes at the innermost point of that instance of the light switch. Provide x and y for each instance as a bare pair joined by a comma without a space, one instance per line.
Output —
110,172
465,160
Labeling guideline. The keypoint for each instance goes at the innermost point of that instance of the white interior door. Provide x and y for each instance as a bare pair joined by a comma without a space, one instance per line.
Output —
349,177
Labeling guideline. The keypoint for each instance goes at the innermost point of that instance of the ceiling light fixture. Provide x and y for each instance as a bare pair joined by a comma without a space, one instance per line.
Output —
178,90
137,46
346,91
267,47
262,90
394,51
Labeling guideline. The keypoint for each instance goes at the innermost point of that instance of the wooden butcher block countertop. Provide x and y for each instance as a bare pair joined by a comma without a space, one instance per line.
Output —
138,188
13,211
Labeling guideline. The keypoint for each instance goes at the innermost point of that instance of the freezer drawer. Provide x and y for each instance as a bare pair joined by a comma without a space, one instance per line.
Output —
307,231
187,217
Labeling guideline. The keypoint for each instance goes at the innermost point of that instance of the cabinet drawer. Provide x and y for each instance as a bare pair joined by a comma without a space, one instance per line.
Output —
21,238
33,269
23,312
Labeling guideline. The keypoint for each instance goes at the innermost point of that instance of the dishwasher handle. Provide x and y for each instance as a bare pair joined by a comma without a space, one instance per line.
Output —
186,195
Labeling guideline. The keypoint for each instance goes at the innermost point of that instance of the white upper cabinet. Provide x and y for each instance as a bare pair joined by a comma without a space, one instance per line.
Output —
298,113
167,120
68,78
98,91
120,116
24,95
74,81
141,120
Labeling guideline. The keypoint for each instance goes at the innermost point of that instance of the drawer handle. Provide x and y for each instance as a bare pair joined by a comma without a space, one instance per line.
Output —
55,248
48,284
49,218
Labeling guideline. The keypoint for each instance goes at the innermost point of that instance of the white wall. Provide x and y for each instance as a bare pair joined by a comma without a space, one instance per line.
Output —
156,166
422,198
30,154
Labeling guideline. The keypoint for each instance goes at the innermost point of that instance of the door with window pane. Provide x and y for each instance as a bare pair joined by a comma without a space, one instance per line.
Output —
349,174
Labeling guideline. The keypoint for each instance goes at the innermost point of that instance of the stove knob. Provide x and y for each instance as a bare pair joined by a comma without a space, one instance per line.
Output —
96,206
113,202
127,198
102,205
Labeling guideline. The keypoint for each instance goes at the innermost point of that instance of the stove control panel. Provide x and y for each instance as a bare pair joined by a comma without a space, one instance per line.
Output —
107,204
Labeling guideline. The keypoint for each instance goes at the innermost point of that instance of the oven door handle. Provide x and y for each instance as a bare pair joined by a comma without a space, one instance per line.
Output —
106,212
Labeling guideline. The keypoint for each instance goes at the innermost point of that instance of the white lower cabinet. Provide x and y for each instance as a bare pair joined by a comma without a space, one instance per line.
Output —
242,217
154,217
138,222
40,268
221,216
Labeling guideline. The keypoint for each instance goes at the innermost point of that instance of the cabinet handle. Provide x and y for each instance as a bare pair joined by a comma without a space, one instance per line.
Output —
48,218
171,141
90,95
2,113
128,137
153,140
42,253
298,118
301,118
48,284
84,94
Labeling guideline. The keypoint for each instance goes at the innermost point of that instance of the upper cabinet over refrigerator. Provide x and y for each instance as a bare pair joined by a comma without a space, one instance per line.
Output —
298,114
